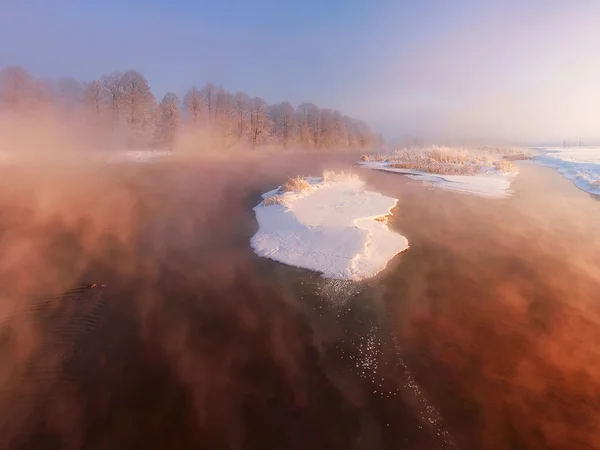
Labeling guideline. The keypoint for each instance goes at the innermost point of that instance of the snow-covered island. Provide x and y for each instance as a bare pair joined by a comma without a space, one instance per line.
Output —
484,171
328,224
580,165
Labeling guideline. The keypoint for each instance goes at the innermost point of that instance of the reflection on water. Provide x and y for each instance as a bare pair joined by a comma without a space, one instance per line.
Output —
497,309
481,336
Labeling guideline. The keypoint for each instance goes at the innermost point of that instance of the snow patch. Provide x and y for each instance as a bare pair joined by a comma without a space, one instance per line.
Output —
329,227
580,165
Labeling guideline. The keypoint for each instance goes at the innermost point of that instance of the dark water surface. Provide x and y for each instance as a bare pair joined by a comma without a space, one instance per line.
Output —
482,336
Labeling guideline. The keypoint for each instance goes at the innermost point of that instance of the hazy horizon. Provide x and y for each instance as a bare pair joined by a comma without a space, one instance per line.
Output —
443,71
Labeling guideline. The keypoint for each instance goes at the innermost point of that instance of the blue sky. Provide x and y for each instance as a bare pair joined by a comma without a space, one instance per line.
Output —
514,70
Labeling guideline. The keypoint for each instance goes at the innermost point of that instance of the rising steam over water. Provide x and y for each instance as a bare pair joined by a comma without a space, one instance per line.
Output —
481,336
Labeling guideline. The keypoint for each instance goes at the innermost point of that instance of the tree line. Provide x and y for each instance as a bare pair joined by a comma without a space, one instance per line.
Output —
123,103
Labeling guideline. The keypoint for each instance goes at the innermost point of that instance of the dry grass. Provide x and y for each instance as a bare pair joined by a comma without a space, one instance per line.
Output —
447,155
300,184
504,165
383,219
439,168
442,155
456,160
273,200
518,156
509,153
331,176
379,157
441,160
296,184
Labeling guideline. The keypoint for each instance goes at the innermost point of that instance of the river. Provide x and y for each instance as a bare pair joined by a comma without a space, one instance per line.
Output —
481,336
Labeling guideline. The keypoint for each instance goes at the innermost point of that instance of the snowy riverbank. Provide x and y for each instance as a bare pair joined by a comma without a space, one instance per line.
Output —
329,224
491,184
580,165
487,172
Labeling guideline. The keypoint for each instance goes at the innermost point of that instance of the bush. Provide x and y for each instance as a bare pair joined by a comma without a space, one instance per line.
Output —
297,184
439,168
509,153
273,200
504,165
330,176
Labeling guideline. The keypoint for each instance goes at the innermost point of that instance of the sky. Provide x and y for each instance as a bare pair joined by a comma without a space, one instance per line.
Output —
525,71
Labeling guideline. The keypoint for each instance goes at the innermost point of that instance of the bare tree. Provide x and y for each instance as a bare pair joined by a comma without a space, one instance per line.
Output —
70,95
260,121
209,94
16,87
339,129
353,134
114,88
168,119
222,112
126,100
93,97
42,92
242,114
366,138
138,105
218,104
310,120
284,123
326,129
194,105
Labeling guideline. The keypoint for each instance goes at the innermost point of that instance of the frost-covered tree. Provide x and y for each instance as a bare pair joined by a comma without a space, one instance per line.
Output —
16,88
42,93
209,94
309,119
284,123
225,111
126,101
69,93
260,121
114,89
194,106
138,106
168,120
339,129
242,114
326,129
93,98
365,136
352,129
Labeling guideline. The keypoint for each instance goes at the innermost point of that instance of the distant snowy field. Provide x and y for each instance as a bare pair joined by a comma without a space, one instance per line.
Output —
328,225
580,165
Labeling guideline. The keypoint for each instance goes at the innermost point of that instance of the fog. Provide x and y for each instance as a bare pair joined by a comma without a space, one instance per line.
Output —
505,71
134,314
188,339
179,307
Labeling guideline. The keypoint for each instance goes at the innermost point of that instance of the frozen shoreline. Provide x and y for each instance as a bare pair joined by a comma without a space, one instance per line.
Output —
330,228
580,165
